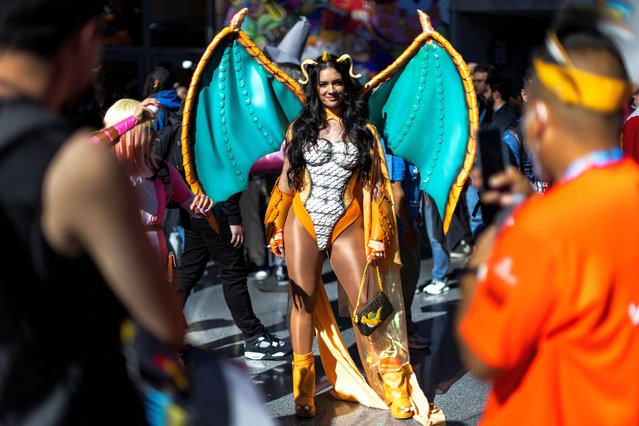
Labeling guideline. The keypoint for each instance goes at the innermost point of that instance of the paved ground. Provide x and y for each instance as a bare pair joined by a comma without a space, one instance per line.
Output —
439,370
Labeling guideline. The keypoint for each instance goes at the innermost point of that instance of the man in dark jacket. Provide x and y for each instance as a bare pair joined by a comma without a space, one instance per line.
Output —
497,95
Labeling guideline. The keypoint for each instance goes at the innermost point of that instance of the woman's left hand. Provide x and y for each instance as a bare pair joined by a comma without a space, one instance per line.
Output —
147,110
376,250
237,235
276,245
201,205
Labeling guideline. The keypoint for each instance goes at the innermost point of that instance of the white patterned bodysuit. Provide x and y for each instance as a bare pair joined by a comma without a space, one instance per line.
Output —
329,165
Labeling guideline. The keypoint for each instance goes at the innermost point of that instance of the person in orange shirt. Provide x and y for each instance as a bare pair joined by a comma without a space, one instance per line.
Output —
550,301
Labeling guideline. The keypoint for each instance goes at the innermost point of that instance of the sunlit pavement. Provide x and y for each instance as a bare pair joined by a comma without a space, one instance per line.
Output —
439,370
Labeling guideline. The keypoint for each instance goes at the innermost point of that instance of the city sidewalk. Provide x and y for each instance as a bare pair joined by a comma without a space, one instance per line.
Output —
439,370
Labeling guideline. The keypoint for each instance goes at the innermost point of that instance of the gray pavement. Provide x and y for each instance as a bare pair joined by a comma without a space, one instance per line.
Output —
439,370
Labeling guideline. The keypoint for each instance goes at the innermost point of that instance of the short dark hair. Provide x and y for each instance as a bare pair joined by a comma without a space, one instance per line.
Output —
487,68
501,85
583,43
576,27
41,26
162,75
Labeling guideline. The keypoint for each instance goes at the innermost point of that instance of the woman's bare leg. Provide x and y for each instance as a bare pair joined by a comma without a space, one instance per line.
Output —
304,262
348,258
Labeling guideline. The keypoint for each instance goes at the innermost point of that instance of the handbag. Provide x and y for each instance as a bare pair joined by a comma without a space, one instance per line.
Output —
376,310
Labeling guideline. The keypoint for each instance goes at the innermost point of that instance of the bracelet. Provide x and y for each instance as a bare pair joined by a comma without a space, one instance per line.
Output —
111,135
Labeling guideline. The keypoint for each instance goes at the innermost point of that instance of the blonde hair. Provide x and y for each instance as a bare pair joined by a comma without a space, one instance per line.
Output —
135,148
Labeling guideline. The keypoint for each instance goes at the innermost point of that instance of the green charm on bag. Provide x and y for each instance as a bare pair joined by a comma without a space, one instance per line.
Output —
376,310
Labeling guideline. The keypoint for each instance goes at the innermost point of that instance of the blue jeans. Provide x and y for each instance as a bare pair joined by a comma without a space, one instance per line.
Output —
475,221
435,232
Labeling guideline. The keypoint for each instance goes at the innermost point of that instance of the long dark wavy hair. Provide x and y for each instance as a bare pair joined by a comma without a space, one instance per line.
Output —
312,120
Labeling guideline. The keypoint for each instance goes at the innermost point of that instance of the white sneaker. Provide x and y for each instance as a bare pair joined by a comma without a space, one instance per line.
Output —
261,275
463,250
436,287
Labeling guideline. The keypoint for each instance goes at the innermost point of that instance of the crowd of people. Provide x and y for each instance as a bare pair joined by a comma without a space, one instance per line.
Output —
105,240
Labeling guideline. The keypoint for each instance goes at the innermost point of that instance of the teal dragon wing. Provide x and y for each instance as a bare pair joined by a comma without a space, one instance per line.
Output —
237,109
424,106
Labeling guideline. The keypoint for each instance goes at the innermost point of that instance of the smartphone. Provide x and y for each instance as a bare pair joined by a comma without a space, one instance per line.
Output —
493,156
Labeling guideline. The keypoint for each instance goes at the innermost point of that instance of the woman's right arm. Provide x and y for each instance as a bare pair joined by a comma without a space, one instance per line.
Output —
111,135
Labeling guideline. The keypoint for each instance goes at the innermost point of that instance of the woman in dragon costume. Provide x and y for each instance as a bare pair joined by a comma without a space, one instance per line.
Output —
333,196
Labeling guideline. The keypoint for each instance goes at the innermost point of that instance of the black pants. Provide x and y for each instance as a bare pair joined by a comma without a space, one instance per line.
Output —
202,244
411,261
252,206
459,226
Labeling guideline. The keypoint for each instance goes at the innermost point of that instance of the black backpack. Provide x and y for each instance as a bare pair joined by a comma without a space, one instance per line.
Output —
168,145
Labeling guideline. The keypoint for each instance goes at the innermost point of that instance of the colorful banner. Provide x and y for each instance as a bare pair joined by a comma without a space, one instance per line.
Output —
372,32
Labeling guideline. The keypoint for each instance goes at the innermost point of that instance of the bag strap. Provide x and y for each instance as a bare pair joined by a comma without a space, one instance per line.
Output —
164,175
171,270
361,286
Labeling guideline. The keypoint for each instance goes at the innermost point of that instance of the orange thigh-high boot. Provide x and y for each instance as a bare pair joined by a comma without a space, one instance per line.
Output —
304,384
396,393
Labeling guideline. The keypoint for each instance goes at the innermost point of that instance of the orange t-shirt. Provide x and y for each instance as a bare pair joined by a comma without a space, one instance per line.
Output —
557,309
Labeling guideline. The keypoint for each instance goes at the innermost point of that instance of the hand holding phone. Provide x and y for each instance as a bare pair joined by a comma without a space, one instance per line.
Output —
509,187
493,156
